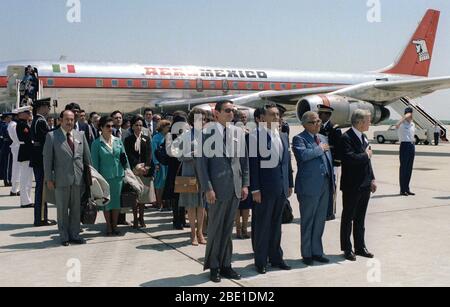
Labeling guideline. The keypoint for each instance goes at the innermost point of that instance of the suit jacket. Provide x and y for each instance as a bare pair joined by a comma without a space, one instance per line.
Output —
312,164
24,136
134,158
108,163
39,130
225,175
83,127
357,172
274,180
60,164
123,133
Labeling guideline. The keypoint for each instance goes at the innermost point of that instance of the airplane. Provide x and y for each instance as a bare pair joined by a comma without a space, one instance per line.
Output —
104,87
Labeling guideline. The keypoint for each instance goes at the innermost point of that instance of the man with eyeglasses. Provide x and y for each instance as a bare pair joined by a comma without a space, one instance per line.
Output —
223,174
314,186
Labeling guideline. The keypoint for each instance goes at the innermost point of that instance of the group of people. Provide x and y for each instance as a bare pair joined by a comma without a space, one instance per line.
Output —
231,177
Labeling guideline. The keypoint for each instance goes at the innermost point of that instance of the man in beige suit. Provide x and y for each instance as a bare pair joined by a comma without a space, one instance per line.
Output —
66,152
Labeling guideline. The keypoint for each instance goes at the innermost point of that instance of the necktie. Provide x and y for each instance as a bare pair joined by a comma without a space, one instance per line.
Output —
70,142
225,142
119,133
363,141
316,138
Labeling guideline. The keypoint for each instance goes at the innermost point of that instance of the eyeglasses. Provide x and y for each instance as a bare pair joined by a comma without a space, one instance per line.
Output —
229,111
315,122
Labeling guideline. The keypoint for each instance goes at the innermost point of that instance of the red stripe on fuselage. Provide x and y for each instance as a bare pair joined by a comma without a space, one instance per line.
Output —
180,84
3,81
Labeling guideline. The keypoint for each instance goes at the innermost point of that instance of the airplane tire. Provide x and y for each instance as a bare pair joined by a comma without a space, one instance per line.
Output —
380,139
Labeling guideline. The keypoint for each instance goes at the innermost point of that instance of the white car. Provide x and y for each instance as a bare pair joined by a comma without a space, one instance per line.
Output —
391,135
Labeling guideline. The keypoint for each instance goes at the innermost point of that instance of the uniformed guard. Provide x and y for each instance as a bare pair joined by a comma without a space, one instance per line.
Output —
5,155
334,134
15,144
25,148
406,134
39,130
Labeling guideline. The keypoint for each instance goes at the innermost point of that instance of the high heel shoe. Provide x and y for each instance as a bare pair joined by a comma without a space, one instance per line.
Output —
201,239
194,241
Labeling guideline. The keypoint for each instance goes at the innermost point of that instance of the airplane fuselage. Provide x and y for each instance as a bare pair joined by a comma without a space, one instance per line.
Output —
104,87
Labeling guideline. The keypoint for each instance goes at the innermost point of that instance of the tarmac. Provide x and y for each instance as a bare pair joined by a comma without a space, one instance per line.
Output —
409,236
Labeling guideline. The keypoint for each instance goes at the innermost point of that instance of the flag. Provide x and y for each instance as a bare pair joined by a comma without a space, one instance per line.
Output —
57,68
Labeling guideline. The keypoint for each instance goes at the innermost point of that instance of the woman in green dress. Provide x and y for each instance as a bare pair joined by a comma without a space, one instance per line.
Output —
110,160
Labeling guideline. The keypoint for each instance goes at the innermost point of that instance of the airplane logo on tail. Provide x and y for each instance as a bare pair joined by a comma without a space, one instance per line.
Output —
422,50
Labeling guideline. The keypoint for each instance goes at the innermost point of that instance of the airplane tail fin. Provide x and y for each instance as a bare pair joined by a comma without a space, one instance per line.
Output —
416,58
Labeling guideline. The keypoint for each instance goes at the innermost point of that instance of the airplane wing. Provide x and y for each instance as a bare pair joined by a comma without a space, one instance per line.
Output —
378,92
382,92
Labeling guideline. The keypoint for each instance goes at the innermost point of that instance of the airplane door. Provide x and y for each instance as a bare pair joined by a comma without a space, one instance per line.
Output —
14,73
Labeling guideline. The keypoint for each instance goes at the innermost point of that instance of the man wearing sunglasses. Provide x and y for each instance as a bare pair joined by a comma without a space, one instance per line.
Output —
223,174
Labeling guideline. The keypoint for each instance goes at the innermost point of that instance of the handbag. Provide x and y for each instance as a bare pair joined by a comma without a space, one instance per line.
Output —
184,184
128,197
161,154
89,213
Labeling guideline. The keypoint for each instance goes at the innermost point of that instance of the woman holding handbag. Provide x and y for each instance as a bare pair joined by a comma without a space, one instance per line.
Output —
184,148
139,151
110,160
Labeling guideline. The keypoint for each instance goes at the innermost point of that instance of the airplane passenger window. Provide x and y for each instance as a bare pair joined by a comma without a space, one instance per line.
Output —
261,86
130,83
50,82
99,83
144,83
114,83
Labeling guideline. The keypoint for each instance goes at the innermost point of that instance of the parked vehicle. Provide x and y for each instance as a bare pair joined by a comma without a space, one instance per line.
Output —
391,135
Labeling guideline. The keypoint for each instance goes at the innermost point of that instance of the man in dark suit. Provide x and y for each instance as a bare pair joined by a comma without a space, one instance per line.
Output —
224,177
333,134
271,183
357,183
148,121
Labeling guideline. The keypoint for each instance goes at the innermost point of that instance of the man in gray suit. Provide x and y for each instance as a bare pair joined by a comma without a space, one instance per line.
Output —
66,152
223,173
314,186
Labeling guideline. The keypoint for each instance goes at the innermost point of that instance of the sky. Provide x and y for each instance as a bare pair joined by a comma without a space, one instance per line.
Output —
319,35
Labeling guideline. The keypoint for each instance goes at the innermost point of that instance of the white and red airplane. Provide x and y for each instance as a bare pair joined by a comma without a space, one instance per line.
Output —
106,87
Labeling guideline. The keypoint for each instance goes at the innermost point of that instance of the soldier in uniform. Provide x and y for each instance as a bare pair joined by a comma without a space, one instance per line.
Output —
25,148
5,151
39,130
334,134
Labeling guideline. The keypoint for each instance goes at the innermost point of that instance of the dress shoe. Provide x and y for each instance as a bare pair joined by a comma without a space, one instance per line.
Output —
229,273
13,194
27,206
282,266
215,276
349,255
45,223
65,243
261,269
364,253
411,193
78,241
321,259
404,194
308,261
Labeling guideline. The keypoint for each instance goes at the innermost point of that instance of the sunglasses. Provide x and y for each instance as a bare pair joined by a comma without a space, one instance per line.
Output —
228,111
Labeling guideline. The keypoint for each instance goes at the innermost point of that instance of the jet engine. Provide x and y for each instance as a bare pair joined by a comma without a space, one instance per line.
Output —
343,108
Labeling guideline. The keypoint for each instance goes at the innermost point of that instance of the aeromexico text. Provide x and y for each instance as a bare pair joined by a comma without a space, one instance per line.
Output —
212,73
